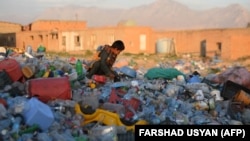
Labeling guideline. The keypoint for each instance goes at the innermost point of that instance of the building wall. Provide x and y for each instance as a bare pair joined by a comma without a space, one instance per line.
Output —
91,38
72,41
35,39
6,27
240,43
48,33
57,25
138,39
233,41
228,43
8,33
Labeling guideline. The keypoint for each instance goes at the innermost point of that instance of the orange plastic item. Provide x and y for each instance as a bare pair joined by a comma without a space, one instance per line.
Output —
107,118
242,96
27,72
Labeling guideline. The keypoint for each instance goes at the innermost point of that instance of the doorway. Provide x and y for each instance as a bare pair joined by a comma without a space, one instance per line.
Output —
203,48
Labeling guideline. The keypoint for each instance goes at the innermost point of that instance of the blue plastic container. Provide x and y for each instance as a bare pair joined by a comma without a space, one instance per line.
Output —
119,84
38,113
194,79
128,71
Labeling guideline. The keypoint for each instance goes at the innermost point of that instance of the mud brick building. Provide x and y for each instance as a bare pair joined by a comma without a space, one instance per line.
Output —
67,36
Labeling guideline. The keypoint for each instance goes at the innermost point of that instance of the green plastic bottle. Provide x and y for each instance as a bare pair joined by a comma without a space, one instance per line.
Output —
30,129
79,69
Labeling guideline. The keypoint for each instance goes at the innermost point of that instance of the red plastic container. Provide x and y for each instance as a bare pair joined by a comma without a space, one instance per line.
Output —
99,78
3,101
12,67
134,103
47,89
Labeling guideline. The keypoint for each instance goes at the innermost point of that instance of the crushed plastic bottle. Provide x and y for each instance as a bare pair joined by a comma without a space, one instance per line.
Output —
103,133
60,108
15,126
43,137
3,111
5,123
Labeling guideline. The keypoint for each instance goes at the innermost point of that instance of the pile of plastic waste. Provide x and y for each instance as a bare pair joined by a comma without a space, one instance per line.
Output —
50,99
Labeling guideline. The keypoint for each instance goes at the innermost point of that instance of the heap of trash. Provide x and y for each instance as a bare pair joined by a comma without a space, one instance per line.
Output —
51,99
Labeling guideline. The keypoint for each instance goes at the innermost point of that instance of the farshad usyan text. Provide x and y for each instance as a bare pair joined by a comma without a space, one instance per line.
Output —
188,132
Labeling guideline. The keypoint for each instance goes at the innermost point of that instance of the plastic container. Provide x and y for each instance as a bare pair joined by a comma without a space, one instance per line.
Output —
3,102
27,72
119,84
128,71
243,97
230,89
73,76
194,79
2,53
38,113
131,106
29,50
107,118
41,49
99,78
12,67
47,89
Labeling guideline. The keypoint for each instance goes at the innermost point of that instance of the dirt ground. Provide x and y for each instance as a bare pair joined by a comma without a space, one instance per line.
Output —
146,61
149,61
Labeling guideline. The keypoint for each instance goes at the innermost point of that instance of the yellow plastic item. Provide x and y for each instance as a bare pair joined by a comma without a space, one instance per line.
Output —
107,118
46,74
92,85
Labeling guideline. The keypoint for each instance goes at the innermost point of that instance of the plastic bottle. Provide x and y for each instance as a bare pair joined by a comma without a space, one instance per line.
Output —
60,108
30,129
5,123
16,127
113,107
79,69
3,110
43,137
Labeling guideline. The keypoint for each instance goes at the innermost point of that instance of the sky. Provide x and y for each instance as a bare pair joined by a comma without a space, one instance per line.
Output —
34,7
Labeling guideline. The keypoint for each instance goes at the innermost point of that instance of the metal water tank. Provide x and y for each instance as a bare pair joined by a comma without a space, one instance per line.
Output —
164,46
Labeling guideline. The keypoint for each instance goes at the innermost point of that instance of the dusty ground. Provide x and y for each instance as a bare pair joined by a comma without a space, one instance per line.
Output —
149,61
146,61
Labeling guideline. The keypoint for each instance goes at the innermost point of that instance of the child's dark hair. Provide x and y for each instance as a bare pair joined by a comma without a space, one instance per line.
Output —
118,44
